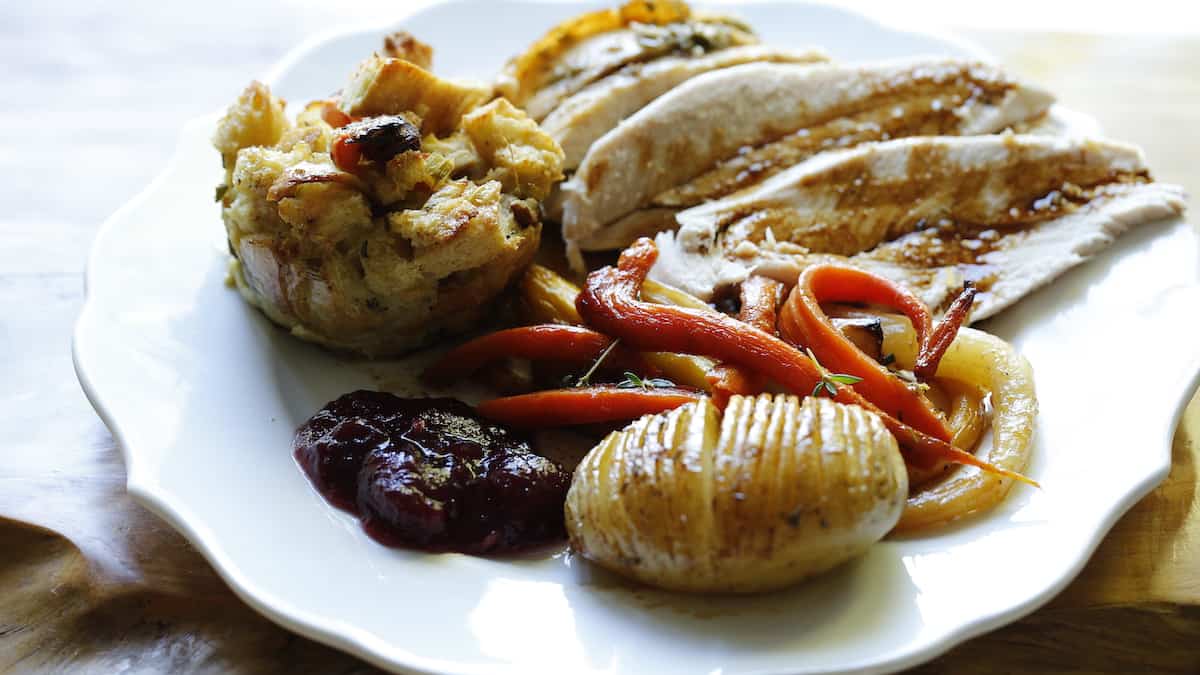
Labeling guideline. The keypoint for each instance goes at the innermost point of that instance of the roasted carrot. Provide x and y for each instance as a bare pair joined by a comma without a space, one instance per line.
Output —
345,155
760,298
931,352
546,342
333,115
725,380
584,405
610,302
803,323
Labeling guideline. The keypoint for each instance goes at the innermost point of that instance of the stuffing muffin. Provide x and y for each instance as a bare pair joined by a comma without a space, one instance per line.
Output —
382,219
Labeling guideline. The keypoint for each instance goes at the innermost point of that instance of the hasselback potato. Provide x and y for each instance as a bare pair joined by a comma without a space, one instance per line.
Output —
775,490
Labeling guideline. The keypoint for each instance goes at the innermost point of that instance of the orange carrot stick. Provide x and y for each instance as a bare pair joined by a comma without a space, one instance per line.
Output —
610,302
345,155
583,405
803,322
930,354
550,342
760,298
728,380
334,116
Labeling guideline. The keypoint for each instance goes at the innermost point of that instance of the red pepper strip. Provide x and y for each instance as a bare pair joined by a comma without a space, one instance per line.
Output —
760,298
804,323
547,342
583,405
931,352
609,301
345,155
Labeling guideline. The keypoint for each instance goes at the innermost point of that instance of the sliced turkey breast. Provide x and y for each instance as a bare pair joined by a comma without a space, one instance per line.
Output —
591,46
727,130
589,114
1007,212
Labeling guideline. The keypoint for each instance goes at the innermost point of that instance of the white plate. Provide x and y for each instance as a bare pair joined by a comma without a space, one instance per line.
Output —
203,395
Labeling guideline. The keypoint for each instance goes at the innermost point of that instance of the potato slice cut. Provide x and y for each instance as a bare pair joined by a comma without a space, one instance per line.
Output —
776,490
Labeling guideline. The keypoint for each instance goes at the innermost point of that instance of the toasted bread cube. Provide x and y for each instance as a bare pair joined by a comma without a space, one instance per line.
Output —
383,86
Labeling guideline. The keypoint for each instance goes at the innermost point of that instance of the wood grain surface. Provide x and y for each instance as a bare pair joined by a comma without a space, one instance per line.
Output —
91,582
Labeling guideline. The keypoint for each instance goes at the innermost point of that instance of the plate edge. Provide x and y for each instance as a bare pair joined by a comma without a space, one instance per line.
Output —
373,649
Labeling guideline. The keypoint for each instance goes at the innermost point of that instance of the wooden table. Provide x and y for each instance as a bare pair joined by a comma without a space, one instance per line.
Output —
89,581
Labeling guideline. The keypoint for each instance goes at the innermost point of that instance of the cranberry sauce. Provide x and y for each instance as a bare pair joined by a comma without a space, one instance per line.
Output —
427,472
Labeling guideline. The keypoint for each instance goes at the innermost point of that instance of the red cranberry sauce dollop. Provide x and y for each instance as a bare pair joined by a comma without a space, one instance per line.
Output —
429,473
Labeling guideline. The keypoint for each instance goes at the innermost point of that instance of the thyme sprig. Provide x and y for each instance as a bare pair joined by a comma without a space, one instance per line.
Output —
829,381
586,379
633,381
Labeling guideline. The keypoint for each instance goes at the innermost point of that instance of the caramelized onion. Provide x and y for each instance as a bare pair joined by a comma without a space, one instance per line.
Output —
967,416
987,362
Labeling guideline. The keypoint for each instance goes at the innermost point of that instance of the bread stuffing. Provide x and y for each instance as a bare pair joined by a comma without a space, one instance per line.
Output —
381,219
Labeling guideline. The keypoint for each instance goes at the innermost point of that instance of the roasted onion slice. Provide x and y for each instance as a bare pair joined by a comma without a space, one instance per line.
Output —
987,362
776,490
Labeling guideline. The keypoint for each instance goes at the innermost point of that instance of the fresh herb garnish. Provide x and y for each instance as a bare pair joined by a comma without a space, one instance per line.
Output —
633,381
585,380
829,381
